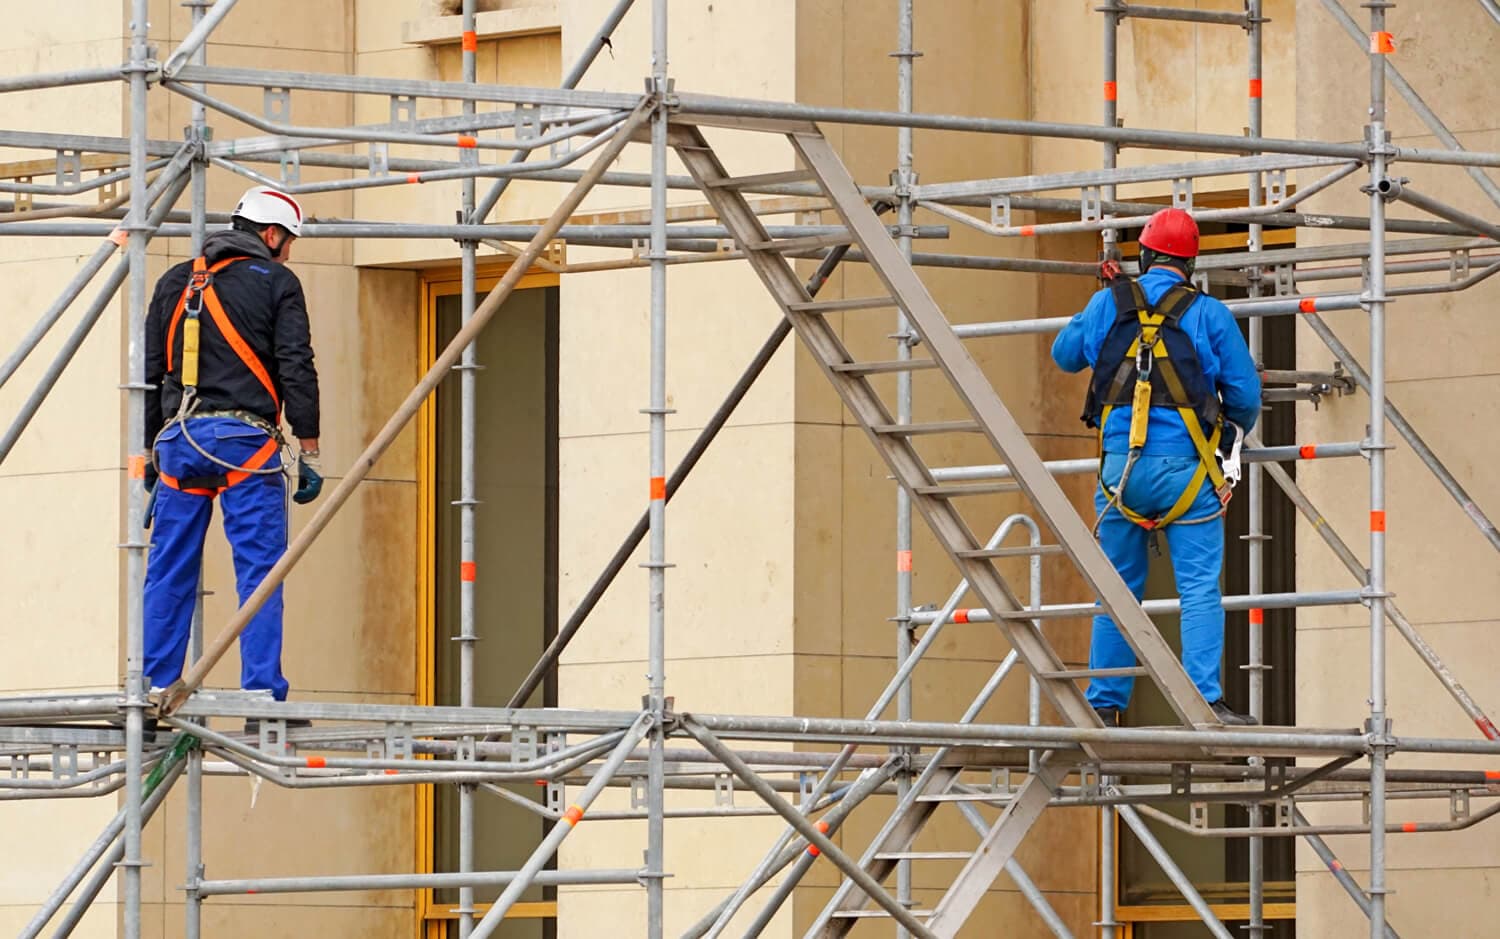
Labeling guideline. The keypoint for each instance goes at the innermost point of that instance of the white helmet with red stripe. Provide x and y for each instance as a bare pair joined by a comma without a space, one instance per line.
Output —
265,206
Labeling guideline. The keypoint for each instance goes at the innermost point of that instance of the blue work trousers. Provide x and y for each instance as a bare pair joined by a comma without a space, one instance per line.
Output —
255,521
1197,551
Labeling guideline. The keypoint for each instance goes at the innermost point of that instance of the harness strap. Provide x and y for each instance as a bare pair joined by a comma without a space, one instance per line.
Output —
1170,310
211,486
201,282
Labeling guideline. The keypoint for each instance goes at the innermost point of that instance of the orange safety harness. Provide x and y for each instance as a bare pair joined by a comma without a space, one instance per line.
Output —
198,294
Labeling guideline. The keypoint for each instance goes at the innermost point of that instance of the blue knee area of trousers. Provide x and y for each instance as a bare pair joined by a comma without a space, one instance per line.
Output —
1197,552
255,523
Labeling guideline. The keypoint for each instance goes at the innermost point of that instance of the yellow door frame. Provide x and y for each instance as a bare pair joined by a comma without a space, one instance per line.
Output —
432,917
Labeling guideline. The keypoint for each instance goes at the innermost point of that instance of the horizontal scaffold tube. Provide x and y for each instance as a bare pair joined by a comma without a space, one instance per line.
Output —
333,884
1264,601
1091,464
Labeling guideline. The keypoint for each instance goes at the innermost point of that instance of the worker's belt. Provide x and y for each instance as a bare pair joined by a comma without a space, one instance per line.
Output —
247,417
211,486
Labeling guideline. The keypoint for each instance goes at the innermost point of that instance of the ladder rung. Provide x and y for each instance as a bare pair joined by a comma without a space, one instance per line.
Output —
924,855
967,489
874,914
834,306
761,179
1022,551
1068,674
881,368
938,427
966,797
806,242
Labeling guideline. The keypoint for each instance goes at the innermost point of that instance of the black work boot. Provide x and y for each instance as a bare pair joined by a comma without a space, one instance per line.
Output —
1109,716
1230,717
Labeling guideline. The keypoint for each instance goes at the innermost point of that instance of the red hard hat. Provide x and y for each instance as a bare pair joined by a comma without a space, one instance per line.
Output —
1172,231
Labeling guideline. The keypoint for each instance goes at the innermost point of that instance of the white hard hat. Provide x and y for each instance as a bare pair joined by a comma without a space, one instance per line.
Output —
266,206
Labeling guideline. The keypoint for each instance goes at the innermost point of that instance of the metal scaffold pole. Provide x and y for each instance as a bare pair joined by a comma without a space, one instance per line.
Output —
467,498
135,429
657,412
1255,536
1109,823
1378,728
904,179
192,902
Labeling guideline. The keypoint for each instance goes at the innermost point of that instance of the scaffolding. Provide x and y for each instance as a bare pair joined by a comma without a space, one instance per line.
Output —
59,748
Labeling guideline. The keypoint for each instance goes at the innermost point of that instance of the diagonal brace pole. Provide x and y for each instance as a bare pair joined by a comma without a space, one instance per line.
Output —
1397,619
806,829
996,849
1336,868
690,459
565,825
178,693
569,82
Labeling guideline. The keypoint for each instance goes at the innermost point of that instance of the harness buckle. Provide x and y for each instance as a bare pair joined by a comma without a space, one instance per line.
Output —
198,283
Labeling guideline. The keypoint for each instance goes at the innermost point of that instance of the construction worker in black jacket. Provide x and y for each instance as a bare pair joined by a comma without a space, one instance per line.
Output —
227,349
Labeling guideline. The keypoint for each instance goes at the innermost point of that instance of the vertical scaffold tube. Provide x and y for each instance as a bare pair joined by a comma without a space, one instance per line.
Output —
1255,483
905,179
1380,45
656,665
192,900
467,498
135,429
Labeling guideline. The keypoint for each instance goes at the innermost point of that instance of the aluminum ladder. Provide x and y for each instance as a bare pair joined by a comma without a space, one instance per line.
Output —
936,503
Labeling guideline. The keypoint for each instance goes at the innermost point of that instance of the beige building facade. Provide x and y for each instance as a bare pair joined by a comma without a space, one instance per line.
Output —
782,590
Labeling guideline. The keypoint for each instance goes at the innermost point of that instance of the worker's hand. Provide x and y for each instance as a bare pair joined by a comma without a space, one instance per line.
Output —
1109,269
309,477
151,477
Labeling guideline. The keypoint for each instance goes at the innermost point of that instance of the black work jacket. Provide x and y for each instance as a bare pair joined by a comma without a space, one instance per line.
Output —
263,300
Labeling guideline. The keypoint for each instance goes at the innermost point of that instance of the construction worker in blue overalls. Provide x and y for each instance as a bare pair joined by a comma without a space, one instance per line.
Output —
1174,388
227,348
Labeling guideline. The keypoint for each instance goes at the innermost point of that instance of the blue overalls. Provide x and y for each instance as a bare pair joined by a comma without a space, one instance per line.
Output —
1161,473
255,522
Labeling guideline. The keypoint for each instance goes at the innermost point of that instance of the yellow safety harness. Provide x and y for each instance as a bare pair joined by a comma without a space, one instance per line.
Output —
1151,357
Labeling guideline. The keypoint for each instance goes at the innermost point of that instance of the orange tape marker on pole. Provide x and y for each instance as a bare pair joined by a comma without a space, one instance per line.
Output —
316,762
1111,91
1408,826
1027,231
960,616
1309,305
1490,776
1377,521
466,142
467,571
471,41
658,488
135,467
414,177
1257,616
1255,87
903,561
573,815
1382,43
812,849
1308,452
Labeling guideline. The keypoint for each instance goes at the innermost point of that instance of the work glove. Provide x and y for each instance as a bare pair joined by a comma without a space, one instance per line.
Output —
309,477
